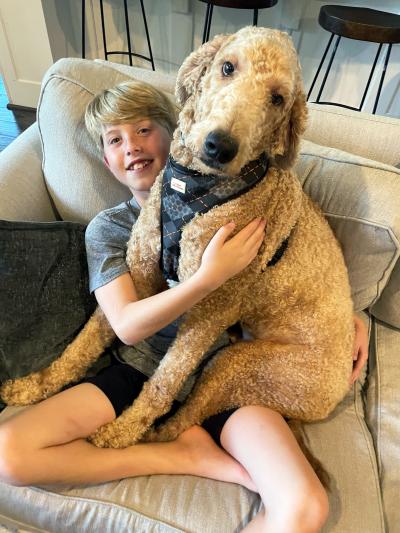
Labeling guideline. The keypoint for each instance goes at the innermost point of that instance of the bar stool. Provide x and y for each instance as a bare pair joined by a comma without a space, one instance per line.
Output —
361,24
236,4
129,53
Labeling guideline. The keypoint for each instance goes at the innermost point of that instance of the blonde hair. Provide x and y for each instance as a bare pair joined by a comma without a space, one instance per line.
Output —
129,101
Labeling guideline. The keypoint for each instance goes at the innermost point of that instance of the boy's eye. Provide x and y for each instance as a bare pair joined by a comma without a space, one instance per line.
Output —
113,140
143,131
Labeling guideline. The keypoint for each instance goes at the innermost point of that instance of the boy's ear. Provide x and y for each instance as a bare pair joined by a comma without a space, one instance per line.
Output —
106,161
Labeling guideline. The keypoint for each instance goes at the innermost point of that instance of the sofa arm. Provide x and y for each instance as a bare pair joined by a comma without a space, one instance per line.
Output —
23,193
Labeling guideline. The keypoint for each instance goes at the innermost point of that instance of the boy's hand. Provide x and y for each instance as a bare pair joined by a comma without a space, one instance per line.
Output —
224,257
360,350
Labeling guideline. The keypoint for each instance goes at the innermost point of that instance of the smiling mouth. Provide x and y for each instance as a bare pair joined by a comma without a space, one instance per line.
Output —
139,165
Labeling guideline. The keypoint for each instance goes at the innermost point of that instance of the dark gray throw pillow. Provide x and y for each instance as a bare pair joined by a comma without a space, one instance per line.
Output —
44,295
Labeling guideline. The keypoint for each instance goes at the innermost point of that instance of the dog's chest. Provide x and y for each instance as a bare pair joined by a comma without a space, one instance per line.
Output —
186,193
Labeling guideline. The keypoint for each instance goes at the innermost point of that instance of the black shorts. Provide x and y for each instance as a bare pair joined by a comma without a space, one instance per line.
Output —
122,383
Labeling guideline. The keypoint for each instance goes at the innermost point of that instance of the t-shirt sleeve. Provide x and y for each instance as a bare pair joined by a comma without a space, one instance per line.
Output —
106,240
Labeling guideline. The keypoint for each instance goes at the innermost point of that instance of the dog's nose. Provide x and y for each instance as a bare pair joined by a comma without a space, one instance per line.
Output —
220,146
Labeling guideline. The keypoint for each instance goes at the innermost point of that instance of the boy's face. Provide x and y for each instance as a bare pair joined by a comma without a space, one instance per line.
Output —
136,153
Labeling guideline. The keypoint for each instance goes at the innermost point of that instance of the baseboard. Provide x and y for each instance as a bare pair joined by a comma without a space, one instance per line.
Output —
15,107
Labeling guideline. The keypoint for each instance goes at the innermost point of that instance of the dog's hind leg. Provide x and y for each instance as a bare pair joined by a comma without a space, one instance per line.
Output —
291,379
83,351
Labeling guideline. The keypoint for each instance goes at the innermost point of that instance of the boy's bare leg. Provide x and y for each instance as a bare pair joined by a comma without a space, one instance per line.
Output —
46,444
293,497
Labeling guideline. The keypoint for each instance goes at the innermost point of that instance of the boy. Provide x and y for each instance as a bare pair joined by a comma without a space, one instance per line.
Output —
133,123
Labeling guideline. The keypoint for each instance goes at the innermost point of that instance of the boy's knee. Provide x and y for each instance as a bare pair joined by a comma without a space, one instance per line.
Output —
12,462
318,508
309,510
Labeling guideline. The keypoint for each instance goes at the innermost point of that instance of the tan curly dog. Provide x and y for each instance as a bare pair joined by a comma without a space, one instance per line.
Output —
297,310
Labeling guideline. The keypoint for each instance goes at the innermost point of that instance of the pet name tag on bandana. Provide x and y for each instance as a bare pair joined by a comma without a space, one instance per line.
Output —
186,192
178,185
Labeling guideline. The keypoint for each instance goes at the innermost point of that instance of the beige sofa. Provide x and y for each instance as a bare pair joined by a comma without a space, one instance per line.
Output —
54,167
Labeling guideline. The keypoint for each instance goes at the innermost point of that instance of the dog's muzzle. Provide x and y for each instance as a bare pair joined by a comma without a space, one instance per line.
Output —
219,148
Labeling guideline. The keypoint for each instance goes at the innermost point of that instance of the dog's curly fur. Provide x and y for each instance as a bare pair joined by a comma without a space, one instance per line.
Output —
299,311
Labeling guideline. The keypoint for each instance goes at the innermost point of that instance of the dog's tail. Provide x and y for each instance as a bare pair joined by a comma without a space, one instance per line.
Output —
297,429
71,366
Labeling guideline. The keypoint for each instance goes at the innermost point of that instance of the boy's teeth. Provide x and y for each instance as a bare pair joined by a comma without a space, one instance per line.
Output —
142,164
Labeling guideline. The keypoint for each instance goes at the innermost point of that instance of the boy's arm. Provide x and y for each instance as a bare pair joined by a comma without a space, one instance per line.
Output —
134,320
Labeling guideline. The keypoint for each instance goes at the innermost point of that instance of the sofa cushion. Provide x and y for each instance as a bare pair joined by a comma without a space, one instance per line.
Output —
78,181
44,295
360,199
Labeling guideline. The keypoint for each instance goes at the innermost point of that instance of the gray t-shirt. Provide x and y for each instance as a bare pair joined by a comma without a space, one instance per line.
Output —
107,237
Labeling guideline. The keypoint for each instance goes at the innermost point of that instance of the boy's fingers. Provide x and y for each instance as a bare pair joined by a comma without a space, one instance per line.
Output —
258,224
257,237
223,233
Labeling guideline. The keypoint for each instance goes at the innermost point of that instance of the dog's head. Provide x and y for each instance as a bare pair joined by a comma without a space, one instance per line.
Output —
241,95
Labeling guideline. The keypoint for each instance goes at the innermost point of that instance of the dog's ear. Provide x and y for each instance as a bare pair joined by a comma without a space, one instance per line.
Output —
195,66
288,138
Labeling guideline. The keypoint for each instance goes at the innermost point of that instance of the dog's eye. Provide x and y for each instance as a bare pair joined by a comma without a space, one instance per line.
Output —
227,68
276,99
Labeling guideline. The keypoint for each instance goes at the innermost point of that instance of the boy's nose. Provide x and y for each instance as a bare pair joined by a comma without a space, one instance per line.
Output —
132,146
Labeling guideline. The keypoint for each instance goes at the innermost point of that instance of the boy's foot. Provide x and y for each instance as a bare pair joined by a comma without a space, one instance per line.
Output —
206,459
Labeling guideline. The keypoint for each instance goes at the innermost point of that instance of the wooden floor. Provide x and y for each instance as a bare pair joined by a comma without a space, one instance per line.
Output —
12,123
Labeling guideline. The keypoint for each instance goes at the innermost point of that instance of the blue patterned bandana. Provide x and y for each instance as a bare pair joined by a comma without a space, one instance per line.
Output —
187,192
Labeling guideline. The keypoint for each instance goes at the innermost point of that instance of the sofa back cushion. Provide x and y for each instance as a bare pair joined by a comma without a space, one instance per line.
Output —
361,200
77,180
372,136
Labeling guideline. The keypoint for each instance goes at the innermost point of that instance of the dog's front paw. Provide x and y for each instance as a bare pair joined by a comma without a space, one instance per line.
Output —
107,436
116,434
25,391
164,433
158,435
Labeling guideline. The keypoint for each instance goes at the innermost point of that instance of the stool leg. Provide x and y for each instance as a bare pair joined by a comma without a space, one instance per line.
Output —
320,66
128,33
255,17
328,69
382,77
103,28
207,22
83,29
147,35
370,77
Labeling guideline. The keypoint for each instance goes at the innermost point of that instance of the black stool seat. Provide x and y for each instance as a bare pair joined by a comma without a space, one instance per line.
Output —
242,4
361,23
255,5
